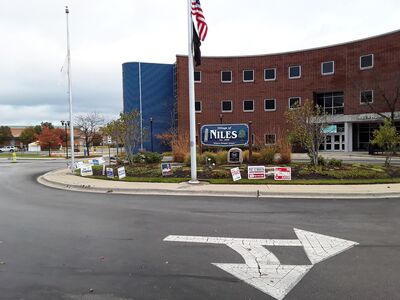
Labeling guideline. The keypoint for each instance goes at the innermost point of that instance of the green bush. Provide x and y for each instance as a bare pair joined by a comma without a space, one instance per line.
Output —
207,158
267,155
335,162
220,174
255,156
147,158
187,160
221,157
321,161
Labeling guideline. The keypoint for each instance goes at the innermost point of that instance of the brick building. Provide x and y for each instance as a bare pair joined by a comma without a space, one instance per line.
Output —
260,88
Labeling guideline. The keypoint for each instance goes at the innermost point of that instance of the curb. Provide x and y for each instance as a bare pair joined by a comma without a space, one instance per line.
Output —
258,194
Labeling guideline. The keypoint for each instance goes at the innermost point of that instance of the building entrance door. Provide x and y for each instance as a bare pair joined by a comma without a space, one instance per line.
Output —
334,142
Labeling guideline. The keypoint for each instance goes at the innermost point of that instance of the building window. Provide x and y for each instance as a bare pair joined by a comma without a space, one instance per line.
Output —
270,139
248,75
226,106
366,62
197,106
328,68
248,105
269,105
331,103
294,102
294,72
197,76
270,74
226,76
366,97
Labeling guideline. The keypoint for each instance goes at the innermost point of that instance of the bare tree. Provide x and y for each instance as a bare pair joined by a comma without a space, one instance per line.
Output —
89,125
129,124
386,87
307,124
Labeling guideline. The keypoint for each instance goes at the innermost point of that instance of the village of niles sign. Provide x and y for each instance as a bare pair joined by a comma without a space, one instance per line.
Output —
225,135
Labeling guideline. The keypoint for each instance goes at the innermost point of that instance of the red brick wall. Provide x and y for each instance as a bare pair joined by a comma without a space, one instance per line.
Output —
348,78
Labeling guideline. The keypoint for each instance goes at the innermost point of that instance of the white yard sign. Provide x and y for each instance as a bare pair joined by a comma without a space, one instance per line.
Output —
236,174
86,170
262,269
256,172
121,173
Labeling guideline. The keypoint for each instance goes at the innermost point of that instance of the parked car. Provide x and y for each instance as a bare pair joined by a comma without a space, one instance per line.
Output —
8,149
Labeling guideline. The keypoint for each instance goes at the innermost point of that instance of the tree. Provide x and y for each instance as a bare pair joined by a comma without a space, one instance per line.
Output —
5,134
387,138
307,123
113,129
47,124
49,138
28,135
387,87
89,125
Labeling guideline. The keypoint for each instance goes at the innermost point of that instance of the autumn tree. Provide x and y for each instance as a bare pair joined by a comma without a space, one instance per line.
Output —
307,123
49,138
89,125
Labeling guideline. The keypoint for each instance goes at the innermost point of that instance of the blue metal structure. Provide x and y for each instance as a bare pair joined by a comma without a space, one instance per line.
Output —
156,85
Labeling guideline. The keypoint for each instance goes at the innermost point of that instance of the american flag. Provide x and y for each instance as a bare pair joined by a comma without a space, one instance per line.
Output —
201,21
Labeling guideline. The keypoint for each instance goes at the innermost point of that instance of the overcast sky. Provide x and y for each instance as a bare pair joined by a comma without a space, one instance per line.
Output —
107,33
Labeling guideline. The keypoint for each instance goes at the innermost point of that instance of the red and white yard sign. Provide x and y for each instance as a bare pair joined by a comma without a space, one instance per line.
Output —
282,173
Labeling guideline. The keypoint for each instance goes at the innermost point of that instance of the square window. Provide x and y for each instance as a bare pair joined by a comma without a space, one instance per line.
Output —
328,68
248,75
366,62
197,76
226,106
226,76
294,102
294,72
270,139
269,105
248,105
197,106
366,97
269,74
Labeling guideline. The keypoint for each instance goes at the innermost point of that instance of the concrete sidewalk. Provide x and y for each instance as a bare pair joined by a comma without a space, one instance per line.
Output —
63,179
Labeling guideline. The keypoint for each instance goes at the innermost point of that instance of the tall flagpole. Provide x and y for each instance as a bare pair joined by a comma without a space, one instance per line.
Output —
192,114
71,120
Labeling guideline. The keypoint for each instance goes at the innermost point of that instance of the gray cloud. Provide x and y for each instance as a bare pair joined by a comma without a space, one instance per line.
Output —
105,34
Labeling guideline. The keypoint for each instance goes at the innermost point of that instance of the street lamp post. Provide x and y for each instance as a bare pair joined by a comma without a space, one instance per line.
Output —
66,125
151,133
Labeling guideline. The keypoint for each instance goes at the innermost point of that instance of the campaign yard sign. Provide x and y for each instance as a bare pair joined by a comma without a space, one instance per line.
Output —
256,172
166,169
110,173
86,170
225,135
236,174
121,172
283,173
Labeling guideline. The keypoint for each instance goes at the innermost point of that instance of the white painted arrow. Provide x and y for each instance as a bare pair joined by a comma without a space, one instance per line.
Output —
262,268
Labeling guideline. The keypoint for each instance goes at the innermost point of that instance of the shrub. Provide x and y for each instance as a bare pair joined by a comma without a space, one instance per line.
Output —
152,157
335,162
221,157
321,161
285,151
207,158
180,147
267,156
246,156
220,174
255,155
187,159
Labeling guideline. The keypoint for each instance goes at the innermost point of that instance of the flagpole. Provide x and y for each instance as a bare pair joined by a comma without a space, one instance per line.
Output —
71,120
192,114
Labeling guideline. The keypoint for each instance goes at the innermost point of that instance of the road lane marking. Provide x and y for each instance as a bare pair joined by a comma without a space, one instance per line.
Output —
262,269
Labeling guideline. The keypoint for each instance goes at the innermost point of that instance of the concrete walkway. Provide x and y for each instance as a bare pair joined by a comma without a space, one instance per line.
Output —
63,179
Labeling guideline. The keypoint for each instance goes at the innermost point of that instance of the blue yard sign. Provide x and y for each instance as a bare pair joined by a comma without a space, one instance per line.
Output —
225,135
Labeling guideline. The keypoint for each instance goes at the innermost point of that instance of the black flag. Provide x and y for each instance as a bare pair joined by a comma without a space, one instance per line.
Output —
196,46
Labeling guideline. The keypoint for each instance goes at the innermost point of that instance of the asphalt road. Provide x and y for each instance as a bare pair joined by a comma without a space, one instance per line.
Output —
66,245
